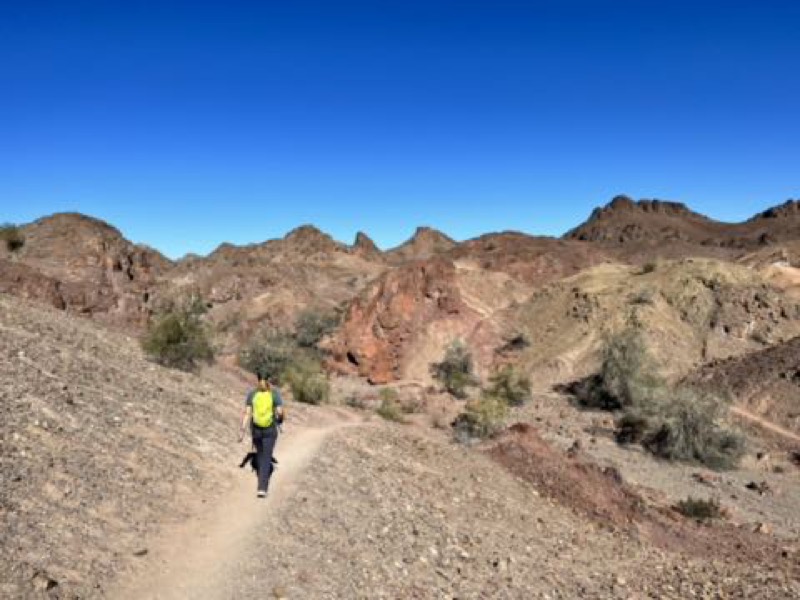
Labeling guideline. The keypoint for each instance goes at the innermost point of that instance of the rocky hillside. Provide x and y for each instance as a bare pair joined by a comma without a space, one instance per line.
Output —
403,306
84,265
690,311
766,381
640,224
98,447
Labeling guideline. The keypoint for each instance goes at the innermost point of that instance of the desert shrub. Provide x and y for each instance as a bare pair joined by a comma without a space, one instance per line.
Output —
269,352
645,296
627,375
178,338
312,325
308,381
510,385
649,267
483,417
699,509
631,429
515,343
12,237
683,424
671,422
455,371
390,408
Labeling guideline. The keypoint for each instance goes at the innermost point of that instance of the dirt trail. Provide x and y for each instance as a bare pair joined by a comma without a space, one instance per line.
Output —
769,425
200,558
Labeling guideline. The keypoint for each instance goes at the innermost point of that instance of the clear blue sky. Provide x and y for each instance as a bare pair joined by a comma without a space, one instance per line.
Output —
188,124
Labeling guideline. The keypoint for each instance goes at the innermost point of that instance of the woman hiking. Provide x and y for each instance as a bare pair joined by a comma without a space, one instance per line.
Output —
263,408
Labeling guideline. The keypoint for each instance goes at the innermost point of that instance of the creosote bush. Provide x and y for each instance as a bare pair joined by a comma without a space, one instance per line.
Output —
270,352
390,408
455,371
277,355
699,509
684,425
482,418
312,325
510,385
308,382
178,338
671,422
12,237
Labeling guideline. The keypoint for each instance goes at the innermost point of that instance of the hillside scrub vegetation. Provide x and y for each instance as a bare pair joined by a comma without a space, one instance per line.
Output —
12,237
672,422
390,407
510,385
278,355
700,509
178,338
483,417
455,371
312,325
308,381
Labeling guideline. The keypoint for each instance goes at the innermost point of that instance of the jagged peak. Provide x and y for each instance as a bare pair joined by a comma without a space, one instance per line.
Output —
364,242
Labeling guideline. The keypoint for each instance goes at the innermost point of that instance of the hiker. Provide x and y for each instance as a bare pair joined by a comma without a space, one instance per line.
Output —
264,409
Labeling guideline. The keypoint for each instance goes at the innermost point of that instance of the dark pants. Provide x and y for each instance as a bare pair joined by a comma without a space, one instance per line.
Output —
264,441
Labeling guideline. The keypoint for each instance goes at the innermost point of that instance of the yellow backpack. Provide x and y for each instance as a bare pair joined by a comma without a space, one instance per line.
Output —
262,409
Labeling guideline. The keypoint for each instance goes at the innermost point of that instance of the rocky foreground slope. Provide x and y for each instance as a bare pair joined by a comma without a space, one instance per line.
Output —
98,447
391,512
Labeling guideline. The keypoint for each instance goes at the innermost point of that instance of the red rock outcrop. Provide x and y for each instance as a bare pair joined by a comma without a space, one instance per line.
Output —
381,323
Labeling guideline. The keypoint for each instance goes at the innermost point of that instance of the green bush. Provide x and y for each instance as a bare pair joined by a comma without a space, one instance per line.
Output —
685,425
178,338
699,509
671,422
627,375
510,385
312,325
308,382
390,408
12,237
483,417
270,353
455,371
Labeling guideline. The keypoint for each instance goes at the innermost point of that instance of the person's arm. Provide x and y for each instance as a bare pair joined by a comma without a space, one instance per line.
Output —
248,408
277,402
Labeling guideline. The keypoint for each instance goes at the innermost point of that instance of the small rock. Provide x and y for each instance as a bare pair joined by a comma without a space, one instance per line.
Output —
762,528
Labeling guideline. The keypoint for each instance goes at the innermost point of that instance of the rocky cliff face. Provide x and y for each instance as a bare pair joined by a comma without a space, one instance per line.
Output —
381,323
84,265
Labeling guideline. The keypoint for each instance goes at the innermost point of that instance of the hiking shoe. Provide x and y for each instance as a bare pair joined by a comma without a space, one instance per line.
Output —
262,494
